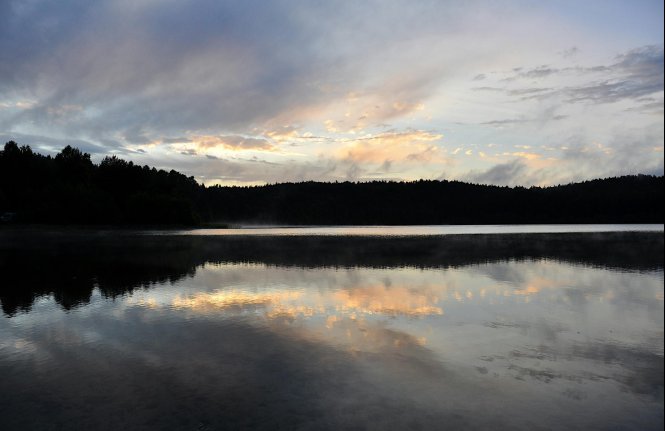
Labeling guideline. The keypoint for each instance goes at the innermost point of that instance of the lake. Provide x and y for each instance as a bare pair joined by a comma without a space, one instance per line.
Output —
426,230
422,328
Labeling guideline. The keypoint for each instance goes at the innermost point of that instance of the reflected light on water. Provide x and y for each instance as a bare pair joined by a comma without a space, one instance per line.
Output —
382,300
539,299
417,230
221,300
218,343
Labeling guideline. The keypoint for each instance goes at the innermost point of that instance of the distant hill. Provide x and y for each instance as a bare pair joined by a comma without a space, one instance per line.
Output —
70,189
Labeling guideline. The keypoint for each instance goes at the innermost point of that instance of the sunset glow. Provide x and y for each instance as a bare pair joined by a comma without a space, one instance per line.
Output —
501,93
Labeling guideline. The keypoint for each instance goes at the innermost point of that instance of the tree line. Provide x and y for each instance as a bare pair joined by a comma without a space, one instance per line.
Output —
70,189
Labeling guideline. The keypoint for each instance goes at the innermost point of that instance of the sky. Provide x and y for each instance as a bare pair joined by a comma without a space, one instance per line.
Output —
252,92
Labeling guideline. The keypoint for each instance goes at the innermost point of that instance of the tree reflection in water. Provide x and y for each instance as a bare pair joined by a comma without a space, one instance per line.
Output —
482,331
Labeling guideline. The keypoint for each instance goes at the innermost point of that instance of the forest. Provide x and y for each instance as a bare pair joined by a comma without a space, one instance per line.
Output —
69,189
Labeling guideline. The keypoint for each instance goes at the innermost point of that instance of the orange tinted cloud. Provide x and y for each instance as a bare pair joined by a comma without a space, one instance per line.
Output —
206,143
412,145
358,112
233,142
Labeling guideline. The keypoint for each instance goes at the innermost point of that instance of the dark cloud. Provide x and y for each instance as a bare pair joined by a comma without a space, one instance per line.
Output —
136,135
116,74
508,173
176,140
539,72
570,52
487,88
507,122
546,116
167,68
635,74
529,91
153,66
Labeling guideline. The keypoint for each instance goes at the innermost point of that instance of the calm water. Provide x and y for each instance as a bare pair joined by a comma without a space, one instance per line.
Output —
420,230
528,331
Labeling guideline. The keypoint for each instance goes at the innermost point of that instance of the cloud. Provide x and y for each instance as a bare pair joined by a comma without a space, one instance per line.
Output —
346,85
544,117
234,143
652,106
629,152
409,146
196,144
114,60
635,74
284,133
170,68
488,88
135,135
539,72
506,122
180,140
534,91
50,145
570,52
509,173
227,169
377,106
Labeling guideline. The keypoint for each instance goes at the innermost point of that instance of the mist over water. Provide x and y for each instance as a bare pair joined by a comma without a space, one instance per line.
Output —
524,331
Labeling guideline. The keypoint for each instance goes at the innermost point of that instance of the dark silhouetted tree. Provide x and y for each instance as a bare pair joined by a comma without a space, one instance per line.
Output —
70,188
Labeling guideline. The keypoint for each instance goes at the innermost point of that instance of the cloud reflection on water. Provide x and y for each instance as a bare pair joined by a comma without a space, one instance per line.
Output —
540,306
508,345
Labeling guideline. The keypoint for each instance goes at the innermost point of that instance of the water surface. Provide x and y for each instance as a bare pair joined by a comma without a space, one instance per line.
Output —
528,331
421,230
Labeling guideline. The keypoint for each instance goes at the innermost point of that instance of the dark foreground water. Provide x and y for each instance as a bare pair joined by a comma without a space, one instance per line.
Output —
108,330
